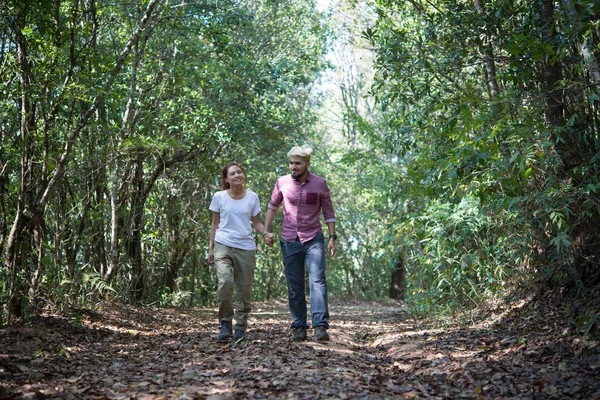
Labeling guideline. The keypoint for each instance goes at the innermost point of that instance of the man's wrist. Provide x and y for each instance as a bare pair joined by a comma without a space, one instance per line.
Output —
265,232
333,236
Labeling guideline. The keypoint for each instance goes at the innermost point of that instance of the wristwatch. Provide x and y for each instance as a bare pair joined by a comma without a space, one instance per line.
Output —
334,236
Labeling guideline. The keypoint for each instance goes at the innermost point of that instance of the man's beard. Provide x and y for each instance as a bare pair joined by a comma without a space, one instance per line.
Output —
296,175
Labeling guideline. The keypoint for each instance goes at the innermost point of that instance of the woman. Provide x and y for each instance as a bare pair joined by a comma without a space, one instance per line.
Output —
232,249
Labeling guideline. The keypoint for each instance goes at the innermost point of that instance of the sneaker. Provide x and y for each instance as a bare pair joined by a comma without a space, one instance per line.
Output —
299,334
321,334
239,334
225,332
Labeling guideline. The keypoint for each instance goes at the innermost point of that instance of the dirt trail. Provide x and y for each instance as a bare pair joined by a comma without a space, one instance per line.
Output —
377,351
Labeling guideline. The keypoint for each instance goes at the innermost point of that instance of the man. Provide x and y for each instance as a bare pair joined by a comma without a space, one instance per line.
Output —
304,197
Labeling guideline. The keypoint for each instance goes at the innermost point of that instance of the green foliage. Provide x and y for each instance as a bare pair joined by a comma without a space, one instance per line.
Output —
92,287
207,82
176,299
585,323
455,253
269,276
466,175
479,190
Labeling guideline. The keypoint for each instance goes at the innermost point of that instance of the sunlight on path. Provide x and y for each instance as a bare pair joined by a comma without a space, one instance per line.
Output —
377,351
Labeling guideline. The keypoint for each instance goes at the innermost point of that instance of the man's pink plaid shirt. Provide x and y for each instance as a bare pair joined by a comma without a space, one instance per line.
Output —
302,205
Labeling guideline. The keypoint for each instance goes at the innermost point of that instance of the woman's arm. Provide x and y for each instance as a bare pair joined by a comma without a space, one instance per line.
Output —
213,229
260,228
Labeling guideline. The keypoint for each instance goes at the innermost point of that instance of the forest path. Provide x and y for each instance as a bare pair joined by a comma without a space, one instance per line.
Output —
377,351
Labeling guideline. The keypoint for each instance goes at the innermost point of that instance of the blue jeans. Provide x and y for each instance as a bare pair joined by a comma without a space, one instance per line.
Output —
295,256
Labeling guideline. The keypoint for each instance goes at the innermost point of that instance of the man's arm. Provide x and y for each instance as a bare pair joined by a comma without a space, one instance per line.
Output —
269,217
331,245
272,208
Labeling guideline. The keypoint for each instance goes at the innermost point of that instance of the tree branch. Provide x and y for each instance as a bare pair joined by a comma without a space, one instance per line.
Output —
84,121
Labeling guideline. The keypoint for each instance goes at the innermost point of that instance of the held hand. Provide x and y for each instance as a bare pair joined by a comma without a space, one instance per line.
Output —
331,248
211,257
269,239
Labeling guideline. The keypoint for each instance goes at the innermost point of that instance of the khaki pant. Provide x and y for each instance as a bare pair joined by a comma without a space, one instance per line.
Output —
235,267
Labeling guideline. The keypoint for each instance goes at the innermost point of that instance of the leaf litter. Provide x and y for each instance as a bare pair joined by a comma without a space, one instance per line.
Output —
378,351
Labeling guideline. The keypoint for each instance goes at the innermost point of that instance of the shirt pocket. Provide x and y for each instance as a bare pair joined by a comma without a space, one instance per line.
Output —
312,197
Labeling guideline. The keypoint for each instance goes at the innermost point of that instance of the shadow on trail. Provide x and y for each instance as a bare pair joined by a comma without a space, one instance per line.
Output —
523,352
376,352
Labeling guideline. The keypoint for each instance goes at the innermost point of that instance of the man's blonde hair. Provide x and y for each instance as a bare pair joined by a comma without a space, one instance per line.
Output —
303,151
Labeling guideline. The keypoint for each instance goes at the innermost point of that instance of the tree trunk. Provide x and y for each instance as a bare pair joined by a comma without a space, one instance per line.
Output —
398,283
488,54
136,218
586,46
124,131
113,262
552,72
98,227
555,110
193,272
38,229
178,247
73,237
3,185
139,195
18,246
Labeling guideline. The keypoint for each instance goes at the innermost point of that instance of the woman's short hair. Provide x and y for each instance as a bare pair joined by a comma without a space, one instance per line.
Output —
303,151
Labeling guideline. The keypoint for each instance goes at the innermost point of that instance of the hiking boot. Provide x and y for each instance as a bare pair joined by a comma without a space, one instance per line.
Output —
225,332
239,334
299,334
321,334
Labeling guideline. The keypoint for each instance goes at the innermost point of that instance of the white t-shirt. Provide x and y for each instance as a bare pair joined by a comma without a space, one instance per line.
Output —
235,228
